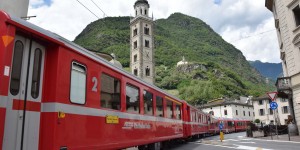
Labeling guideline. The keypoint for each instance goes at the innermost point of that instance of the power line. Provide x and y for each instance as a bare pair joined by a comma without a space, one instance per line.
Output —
88,9
99,8
253,35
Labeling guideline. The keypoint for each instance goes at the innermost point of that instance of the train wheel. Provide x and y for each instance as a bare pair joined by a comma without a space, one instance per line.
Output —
155,146
142,147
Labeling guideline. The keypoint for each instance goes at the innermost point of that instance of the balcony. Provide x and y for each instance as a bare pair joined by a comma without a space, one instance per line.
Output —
283,84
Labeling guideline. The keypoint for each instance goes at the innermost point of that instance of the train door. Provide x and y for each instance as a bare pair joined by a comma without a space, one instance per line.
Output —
22,122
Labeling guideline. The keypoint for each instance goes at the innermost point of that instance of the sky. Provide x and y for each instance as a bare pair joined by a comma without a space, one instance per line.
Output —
246,24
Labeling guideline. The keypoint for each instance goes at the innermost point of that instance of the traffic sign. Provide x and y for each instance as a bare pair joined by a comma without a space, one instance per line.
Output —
221,126
273,105
272,95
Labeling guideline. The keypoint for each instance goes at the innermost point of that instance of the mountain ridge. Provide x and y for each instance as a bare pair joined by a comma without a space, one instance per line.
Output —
228,74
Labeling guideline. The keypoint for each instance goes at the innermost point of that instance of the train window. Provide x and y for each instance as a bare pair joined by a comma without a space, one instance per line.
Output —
132,99
148,103
36,73
159,106
170,109
110,92
78,83
196,116
178,111
16,68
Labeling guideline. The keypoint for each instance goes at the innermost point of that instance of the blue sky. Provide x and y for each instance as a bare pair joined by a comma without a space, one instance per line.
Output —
218,2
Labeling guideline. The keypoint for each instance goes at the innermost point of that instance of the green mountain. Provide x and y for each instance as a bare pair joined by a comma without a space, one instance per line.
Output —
216,68
270,70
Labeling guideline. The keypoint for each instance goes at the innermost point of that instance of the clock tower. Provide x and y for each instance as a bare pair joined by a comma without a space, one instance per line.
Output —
142,42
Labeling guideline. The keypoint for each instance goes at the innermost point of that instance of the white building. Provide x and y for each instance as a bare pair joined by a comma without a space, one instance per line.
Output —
287,22
18,8
229,109
142,42
266,115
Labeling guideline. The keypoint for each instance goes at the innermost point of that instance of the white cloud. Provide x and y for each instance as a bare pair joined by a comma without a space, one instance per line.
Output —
232,19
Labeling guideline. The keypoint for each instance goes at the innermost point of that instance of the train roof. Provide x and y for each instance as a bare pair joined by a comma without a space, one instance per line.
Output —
62,41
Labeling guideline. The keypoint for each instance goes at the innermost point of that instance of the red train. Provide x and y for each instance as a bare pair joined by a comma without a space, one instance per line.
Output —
56,95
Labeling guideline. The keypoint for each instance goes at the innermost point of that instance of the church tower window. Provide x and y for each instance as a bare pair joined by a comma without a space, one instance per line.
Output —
135,31
135,58
135,45
147,43
147,71
145,11
146,31
135,72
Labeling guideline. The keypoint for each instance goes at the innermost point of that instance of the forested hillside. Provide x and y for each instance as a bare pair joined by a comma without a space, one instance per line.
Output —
216,68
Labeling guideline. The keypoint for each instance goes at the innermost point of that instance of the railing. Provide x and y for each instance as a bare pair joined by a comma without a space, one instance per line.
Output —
283,83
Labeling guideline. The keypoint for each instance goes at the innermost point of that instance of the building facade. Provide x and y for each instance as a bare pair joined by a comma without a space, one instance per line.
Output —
287,22
266,115
229,109
18,8
142,42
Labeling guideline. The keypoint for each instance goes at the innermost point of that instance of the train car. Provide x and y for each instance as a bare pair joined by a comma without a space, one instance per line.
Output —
213,125
228,125
196,123
240,124
55,94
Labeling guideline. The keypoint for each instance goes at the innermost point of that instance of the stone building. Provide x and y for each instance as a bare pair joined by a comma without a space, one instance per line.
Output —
229,109
287,22
142,42
266,115
18,8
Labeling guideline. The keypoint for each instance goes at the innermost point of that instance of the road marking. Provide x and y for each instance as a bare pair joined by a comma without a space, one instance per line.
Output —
277,141
214,145
248,142
242,147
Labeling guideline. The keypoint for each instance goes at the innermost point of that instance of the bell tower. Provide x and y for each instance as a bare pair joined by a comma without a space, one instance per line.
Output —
142,42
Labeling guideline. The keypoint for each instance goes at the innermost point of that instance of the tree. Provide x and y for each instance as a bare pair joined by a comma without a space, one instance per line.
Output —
257,121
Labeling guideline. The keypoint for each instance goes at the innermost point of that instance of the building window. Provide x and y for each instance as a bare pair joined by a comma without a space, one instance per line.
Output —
135,58
147,43
285,109
146,31
147,71
78,83
159,106
145,11
135,72
283,99
135,44
261,112
225,112
236,112
136,12
253,114
249,113
135,31
260,102
141,11
296,12
110,92
132,99
244,113
16,68
270,111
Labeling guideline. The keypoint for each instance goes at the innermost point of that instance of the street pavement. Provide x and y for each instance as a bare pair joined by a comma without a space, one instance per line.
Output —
239,141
